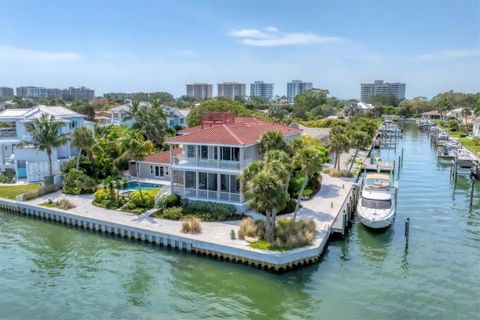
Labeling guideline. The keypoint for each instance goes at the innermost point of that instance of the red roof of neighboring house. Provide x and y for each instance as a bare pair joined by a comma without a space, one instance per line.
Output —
241,131
162,157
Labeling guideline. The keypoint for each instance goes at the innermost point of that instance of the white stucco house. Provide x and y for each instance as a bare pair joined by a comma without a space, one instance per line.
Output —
204,162
119,115
28,162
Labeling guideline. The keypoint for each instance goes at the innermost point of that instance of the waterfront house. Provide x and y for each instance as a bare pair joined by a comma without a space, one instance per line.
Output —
28,162
431,115
119,115
206,160
476,127
154,166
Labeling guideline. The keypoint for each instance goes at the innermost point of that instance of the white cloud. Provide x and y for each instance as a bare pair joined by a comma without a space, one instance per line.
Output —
274,38
29,55
448,54
248,33
271,29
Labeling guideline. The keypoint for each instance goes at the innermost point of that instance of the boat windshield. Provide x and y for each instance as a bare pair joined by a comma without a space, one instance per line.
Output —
376,204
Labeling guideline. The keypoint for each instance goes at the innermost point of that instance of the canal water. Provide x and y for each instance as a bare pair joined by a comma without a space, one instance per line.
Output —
49,271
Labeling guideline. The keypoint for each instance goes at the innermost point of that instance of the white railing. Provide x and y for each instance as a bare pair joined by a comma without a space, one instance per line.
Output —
207,194
210,163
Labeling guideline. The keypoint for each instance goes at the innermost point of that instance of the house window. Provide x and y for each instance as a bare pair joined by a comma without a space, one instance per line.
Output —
151,170
157,172
235,154
190,179
212,182
202,180
190,151
226,153
224,182
204,152
161,172
234,184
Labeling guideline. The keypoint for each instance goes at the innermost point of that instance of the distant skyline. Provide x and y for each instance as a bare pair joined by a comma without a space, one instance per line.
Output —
124,46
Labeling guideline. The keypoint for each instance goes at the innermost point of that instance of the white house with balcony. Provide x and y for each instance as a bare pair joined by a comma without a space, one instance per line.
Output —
476,127
206,160
28,162
119,115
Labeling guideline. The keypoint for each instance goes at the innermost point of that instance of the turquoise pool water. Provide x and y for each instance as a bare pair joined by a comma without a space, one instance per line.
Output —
135,185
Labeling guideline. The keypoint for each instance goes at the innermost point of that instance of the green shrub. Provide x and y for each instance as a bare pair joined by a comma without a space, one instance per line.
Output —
290,207
292,234
307,193
107,198
77,182
210,211
142,198
8,176
172,200
172,213
64,204
295,185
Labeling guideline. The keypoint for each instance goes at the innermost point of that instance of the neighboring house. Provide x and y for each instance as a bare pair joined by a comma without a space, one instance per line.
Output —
476,127
28,162
119,115
363,106
154,166
431,115
213,154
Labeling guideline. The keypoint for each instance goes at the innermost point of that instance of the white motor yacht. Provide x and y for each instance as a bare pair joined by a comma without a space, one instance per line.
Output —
376,206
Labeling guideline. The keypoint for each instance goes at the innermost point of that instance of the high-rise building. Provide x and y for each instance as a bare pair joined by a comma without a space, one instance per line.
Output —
32,92
200,91
54,93
6,92
230,90
262,90
296,87
79,93
378,87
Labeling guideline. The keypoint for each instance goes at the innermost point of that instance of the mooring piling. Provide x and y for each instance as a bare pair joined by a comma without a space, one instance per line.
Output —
407,232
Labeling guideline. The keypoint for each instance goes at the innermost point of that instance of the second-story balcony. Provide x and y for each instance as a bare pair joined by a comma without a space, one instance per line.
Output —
182,160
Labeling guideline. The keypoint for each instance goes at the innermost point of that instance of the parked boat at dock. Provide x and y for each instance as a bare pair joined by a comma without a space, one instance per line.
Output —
376,208
464,159
448,151
424,124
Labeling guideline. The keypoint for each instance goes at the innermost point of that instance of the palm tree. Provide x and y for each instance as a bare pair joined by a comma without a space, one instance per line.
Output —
466,112
266,193
338,143
359,140
45,133
280,164
272,140
133,112
310,161
82,138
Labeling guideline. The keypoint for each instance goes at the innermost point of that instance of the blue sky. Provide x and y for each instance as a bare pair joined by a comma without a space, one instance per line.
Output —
130,46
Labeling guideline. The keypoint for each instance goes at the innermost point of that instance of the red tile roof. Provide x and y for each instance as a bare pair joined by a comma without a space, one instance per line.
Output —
162,157
242,131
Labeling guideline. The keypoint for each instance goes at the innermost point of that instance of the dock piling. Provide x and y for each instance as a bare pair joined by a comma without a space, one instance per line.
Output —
471,192
407,232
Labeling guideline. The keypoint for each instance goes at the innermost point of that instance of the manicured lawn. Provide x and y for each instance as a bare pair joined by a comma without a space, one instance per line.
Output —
10,192
264,245
470,144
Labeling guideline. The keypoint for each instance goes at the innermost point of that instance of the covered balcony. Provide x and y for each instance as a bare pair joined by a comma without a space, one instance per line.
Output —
222,157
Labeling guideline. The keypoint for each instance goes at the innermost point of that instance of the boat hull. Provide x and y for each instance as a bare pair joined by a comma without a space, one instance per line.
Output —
373,222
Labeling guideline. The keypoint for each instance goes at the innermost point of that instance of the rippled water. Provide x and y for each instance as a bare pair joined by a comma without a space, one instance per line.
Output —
52,271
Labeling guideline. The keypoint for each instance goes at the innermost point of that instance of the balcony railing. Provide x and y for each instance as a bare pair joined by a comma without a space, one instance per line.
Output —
8,132
210,163
207,194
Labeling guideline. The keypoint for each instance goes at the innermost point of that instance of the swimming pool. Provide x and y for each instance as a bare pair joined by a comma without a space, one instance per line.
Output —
135,185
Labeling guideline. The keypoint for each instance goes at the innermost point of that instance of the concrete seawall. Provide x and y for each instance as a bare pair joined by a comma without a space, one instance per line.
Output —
267,260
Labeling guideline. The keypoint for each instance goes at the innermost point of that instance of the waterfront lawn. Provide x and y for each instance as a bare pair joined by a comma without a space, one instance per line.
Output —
10,192
264,245
469,143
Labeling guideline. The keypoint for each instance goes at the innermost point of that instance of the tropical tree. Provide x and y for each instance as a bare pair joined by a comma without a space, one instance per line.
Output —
266,193
45,136
272,140
358,140
82,138
466,112
339,142
309,160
